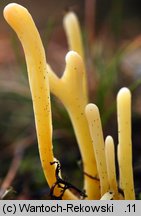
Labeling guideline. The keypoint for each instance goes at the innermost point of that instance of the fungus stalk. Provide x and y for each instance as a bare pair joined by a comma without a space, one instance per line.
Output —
125,144
110,161
69,89
73,33
21,21
95,127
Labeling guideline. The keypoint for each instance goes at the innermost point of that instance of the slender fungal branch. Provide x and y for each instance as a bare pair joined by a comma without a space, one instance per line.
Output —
22,23
69,89
125,144
74,37
110,161
119,160
95,127
73,32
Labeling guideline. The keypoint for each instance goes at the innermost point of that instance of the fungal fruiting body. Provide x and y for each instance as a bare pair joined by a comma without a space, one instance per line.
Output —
125,143
97,156
105,157
21,21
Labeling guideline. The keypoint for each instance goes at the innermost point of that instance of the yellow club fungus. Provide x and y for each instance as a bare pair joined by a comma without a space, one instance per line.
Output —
69,89
110,161
95,127
73,32
125,143
98,158
22,23
74,38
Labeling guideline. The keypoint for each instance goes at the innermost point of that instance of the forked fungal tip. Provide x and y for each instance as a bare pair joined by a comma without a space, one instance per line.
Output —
72,55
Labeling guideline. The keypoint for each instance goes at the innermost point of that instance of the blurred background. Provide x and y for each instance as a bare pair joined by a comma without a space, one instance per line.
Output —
111,32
